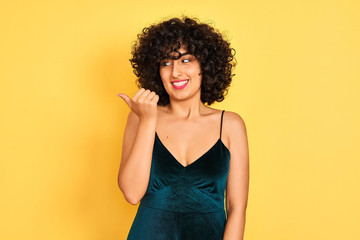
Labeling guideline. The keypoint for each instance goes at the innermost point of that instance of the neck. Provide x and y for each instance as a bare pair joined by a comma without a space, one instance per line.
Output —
188,109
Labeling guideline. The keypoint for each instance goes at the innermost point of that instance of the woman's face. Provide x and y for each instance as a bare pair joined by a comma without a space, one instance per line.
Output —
181,77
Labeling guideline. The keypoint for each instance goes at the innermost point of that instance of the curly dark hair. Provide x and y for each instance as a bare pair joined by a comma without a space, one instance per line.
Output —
207,44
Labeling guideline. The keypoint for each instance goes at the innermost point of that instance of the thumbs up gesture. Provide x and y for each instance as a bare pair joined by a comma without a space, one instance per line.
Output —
144,103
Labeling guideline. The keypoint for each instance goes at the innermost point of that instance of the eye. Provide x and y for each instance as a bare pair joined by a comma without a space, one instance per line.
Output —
165,63
186,60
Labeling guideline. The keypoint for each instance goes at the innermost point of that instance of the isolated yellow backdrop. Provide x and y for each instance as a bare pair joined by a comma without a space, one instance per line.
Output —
296,86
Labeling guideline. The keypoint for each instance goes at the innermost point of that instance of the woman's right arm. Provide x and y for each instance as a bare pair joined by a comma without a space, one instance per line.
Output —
138,142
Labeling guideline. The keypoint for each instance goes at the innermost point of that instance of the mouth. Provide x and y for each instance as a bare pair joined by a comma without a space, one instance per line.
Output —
179,84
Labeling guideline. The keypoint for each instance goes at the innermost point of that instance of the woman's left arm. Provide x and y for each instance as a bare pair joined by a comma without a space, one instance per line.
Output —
237,187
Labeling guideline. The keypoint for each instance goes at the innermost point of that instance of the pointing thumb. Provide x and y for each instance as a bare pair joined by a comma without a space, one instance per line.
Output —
126,99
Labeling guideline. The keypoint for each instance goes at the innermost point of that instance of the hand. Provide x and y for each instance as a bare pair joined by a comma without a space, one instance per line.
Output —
144,103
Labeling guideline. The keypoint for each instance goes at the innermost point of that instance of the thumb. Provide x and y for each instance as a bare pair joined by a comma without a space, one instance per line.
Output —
126,98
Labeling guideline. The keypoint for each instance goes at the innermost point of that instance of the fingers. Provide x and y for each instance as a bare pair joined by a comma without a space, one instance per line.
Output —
150,96
138,93
141,96
143,104
155,99
127,99
144,95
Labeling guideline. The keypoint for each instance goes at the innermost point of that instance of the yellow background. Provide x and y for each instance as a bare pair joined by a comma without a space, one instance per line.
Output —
296,86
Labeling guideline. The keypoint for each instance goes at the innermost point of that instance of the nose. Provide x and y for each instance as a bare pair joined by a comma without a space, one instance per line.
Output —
176,69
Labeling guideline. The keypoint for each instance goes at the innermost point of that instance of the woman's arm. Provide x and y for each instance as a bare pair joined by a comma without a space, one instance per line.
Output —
238,180
138,142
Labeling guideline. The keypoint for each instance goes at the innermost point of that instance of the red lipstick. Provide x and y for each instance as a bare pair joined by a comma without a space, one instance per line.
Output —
179,84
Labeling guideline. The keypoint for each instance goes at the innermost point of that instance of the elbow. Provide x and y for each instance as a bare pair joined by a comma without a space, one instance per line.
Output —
130,197
132,200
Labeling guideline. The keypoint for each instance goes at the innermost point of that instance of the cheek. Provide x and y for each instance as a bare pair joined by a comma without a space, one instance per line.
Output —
164,77
195,71
162,74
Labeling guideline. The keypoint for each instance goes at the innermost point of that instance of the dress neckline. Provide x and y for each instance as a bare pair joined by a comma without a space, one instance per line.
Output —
195,161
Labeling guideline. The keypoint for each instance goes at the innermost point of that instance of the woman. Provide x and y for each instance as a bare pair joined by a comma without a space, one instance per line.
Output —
176,150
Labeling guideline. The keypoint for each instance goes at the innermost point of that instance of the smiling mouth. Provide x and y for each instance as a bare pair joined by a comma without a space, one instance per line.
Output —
180,84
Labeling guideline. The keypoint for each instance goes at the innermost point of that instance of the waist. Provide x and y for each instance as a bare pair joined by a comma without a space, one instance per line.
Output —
182,198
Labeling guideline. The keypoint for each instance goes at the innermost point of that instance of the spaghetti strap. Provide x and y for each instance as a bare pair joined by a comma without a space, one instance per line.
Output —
221,122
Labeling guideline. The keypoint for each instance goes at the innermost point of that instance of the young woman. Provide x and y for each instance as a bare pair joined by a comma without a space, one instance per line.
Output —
181,158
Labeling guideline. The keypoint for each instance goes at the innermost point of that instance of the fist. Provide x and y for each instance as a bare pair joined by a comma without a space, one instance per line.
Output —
144,103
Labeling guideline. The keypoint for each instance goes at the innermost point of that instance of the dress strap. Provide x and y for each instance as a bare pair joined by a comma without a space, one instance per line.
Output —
221,122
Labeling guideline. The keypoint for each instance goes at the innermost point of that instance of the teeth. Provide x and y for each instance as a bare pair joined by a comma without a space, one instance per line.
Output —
178,84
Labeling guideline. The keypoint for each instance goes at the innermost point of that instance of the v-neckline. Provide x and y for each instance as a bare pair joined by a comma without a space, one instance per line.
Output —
192,163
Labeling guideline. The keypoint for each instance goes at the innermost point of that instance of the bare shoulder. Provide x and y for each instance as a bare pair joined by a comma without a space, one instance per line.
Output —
212,112
132,117
234,125
234,120
162,110
132,123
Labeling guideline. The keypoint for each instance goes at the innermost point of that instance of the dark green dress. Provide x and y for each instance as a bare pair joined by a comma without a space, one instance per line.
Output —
183,203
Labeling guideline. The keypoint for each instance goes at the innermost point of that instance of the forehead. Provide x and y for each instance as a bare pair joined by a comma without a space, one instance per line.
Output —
175,52
182,49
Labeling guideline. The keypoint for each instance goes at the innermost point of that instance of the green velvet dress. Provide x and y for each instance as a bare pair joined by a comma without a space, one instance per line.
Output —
183,203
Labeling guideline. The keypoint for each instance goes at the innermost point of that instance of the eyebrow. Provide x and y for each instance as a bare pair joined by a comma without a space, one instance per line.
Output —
183,54
180,55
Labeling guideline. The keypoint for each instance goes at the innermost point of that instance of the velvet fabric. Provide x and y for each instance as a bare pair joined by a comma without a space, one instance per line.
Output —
183,203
